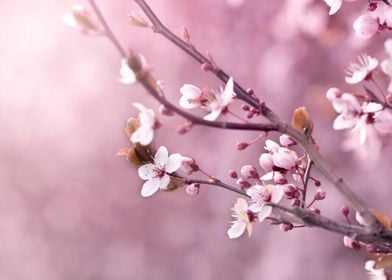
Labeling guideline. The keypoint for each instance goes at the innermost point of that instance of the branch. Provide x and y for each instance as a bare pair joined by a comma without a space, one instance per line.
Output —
217,183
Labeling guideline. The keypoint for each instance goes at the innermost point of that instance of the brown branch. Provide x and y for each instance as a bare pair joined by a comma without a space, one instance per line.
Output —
217,183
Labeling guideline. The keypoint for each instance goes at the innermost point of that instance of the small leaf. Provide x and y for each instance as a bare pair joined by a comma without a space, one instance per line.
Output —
302,121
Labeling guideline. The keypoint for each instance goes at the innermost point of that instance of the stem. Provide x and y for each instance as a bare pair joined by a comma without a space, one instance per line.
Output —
109,32
306,179
159,28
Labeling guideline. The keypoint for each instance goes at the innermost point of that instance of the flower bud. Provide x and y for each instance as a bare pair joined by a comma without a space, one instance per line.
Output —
242,183
186,127
351,243
320,195
206,67
188,165
333,93
266,162
163,110
245,107
249,171
365,26
287,141
286,226
345,210
81,18
371,248
137,20
192,189
295,202
289,190
315,210
233,174
241,146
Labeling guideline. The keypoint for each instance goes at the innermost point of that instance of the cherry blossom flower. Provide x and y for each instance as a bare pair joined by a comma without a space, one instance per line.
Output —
386,65
145,133
360,71
261,195
366,26
243,219
373,273
82,19
214,102
156,173
127,75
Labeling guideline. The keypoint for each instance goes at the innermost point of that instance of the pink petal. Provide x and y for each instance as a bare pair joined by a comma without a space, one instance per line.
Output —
150,187
277,194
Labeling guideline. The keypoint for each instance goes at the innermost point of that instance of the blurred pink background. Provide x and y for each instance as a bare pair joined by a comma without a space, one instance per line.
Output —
71,209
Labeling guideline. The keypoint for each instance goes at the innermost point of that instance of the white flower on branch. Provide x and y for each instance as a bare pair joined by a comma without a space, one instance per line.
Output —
214,102
261,195
242,220
334,5
156,173
79,17
373,273
145,132
366,26
360,71
386,65
127,75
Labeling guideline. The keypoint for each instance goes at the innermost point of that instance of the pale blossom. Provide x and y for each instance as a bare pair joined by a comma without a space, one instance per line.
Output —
145,132
366,26
386,65
127,75
80,17
373,273
360,71
335,5
261,195
214,102
242,220
348,107
156,173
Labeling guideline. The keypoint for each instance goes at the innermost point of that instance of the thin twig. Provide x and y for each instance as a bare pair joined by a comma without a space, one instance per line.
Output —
217,183
309,164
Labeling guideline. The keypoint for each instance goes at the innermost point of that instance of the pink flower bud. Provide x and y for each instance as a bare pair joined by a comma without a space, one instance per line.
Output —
279,178
371,248
249,171
192,189
165,111
295,202
320,195
351,243
286,226
207,67
333,93
266,162
284,158
289,190
345,210
315,210
245,107
184,128
242,183
287,141
366,26
317,183
188,165
233,174
241,146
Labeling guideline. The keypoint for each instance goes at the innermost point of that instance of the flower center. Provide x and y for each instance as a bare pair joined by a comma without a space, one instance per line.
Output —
159,172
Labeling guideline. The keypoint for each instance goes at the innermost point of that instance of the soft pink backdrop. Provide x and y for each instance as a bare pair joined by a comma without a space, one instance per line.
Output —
71,209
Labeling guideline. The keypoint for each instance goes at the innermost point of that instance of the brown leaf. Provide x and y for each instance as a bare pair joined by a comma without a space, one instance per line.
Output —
302,121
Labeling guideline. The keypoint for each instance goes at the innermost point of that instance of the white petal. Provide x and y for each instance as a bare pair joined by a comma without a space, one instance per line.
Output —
386,66
271,146
264,213
334,5
372,107
150,187
164,181
228,94
268,176
127,75
277,194
69,19
362,134
143,135
236,229
161,156
213,115
344,122
190,91
146,116
188,103
255,208
173,163
388,47
147,171
383,122
357,76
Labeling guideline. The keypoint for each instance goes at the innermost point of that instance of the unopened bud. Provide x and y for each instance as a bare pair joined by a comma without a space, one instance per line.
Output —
315,210
192,189
137,20
366,26
266,162
241,146
207,67
245,107
295,202
287,141
302,121
317,183
186,127
286,226
233,174
188,165
249,171
163,110
351,243
185,35
345,210
320,195
289,190
250,91
243,184
249,115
